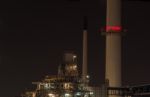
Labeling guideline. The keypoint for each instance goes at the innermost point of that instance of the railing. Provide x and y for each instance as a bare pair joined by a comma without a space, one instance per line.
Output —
140,90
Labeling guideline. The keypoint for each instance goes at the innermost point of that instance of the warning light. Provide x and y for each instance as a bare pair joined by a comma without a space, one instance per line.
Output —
113,28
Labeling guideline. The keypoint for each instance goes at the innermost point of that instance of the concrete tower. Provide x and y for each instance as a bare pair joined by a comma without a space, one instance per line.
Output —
113,43
84,64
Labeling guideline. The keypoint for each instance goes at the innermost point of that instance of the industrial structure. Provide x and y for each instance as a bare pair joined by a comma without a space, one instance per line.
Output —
66,84
113,44
69,83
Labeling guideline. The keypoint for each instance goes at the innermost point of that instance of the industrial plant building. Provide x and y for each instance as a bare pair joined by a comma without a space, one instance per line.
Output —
69,83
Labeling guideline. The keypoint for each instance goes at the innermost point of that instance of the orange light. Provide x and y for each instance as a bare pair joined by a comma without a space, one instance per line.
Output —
113,28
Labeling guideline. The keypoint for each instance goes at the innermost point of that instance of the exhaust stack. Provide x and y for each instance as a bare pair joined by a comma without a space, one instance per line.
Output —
113,44
85,48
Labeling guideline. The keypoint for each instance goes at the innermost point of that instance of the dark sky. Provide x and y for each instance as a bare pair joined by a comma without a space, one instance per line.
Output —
34,34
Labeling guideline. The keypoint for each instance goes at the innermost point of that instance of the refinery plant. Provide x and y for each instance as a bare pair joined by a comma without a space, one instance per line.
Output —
69,83
66,83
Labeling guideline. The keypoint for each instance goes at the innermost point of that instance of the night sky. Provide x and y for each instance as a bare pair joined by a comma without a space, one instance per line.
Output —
34,35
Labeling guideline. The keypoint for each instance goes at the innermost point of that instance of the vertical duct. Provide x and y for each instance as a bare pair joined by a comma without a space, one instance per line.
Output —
84,64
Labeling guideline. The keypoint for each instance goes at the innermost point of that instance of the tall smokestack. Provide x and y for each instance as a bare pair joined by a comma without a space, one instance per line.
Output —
84,64
113,43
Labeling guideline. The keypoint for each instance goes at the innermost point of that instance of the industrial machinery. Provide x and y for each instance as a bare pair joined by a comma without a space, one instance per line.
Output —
67,83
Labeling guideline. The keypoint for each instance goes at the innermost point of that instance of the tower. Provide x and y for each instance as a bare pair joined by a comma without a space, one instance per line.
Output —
84,64
113,43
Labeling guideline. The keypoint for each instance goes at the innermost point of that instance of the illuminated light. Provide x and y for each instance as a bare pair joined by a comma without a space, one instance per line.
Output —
74,56
86,95
78,93
91,93
74,67
67,94
46,86
88,76
33,95
113,28
51,95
